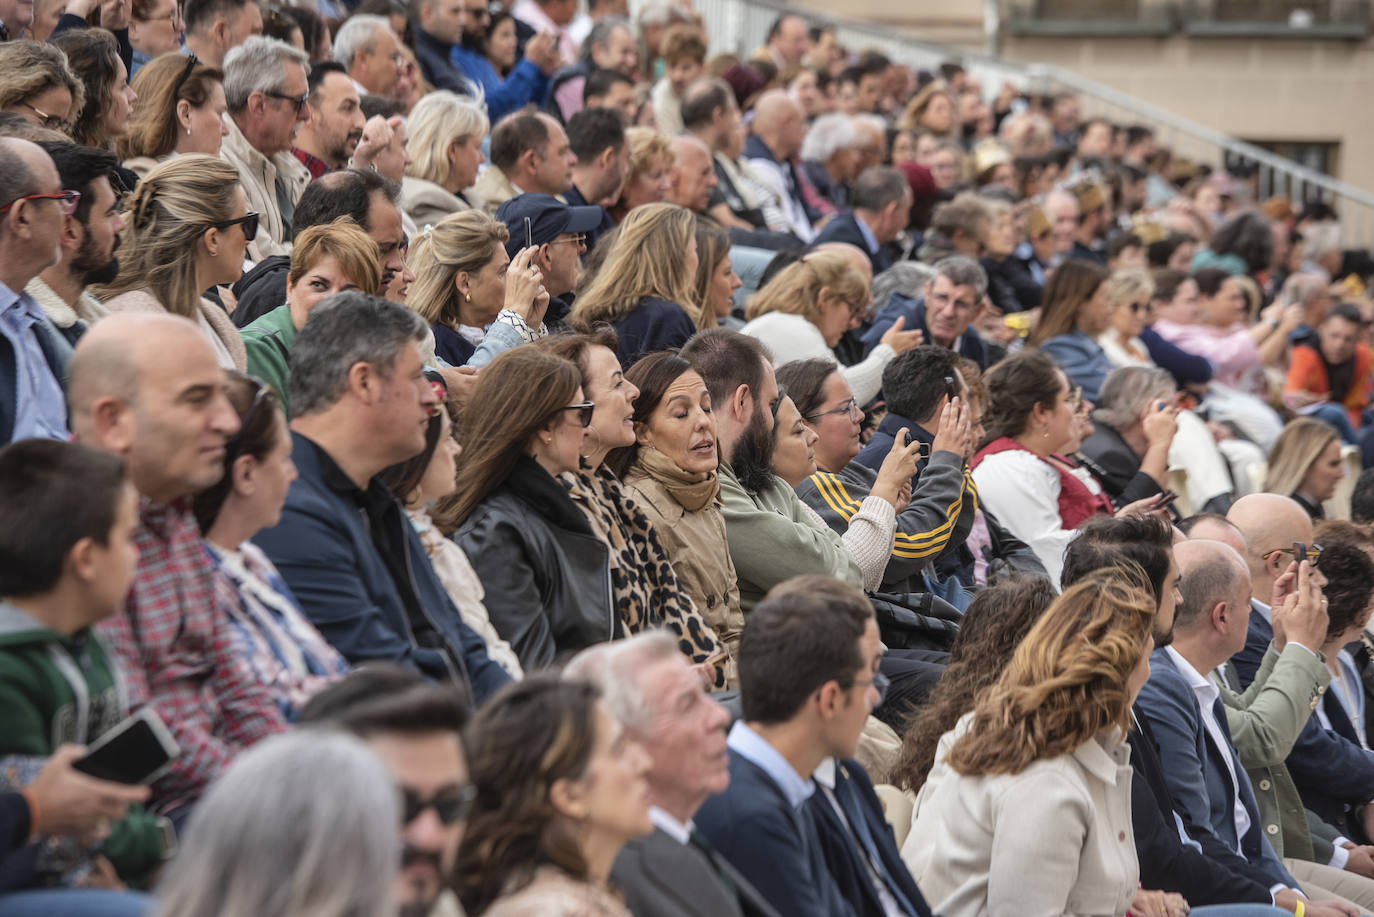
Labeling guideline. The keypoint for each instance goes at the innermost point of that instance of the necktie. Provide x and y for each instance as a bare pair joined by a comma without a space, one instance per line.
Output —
699,841
849,801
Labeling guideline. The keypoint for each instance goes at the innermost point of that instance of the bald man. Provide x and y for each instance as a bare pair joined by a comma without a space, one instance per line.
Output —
772,148
1323,765
33,354
1189,711
1062,209
693,176
149,389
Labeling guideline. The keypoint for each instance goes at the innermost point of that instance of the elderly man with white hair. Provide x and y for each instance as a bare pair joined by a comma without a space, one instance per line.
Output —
828,157
266,89
370,52
652,688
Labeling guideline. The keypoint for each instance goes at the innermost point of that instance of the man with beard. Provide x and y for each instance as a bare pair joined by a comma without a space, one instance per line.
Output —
771,534
527,82
90,239
415,728
337,134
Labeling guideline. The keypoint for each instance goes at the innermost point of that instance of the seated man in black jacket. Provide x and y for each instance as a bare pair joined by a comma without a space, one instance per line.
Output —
1202,871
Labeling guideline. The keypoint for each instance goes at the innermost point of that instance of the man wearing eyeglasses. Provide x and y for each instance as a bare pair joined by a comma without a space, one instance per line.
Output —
266,90
415,728
559,234
33,355
946,315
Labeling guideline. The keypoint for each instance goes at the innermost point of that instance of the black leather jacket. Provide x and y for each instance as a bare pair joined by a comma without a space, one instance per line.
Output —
546,576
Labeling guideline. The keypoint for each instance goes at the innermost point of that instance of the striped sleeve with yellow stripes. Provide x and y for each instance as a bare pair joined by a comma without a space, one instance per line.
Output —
905,544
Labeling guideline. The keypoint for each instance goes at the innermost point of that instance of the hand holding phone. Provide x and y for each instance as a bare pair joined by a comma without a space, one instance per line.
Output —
138,750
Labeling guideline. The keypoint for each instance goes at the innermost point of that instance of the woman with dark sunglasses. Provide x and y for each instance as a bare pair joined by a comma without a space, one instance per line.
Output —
188,227
285,651
546,574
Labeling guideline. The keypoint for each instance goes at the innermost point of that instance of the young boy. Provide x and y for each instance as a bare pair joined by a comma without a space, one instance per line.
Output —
66,561
684,57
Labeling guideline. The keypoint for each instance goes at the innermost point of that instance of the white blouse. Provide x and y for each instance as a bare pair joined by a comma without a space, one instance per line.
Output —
792,337
1022,491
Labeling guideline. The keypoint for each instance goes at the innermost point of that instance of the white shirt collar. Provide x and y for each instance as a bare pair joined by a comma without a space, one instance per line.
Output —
754,748
824,774
664,820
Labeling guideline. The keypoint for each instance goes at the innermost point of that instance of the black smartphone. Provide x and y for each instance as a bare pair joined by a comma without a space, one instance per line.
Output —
529,234
1299,552
1166,499
138,750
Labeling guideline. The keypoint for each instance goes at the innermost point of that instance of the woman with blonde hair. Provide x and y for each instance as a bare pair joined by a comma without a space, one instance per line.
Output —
188,227
1306,464
181,110
651,160
327,258
1129,291
932,109
104,115
445,147
477,299
37,82
716,280
803,312
645,287
1050,736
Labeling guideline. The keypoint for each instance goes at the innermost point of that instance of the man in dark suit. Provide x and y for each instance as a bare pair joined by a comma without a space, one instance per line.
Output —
881,199
799,818
656,694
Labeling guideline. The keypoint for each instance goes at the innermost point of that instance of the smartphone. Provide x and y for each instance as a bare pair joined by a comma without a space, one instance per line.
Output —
1165,499
138,750
1299,552
529,234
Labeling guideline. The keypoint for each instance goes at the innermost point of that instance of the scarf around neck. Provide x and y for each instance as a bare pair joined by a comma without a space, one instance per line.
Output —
693,489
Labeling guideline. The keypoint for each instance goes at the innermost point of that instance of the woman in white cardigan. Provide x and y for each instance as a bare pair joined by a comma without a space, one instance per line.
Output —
1027,810
804,311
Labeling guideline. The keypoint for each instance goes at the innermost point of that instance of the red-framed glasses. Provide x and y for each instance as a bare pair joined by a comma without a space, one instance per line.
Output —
67,200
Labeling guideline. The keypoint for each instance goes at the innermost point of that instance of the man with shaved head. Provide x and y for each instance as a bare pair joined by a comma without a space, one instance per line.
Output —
149,389
772,149
693,175
33,354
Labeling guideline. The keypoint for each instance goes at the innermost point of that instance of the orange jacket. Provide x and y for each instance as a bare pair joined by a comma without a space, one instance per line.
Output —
1307,373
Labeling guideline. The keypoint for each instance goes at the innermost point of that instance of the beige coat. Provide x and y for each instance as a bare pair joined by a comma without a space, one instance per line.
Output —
213,321
553,893
495,188
695,543
258,174
427,203
1055,839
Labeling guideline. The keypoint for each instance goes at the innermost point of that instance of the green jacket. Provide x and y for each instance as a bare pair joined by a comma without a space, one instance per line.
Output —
56,688
268,341
1264,723
772,538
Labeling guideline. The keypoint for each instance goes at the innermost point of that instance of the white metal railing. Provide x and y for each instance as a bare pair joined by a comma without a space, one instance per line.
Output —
739,26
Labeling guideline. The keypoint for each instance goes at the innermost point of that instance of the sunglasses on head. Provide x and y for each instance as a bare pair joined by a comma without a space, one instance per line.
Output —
584,412
450,805
262,392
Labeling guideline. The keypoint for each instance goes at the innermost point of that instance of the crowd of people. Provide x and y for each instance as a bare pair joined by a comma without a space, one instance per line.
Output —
512,461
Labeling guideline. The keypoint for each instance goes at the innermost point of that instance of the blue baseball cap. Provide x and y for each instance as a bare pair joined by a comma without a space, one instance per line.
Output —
549,218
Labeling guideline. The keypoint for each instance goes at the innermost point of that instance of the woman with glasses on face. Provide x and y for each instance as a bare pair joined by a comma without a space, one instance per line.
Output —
647,592
805,310
181,110
37,82
546,574
155,28
560,788
104,115
188,226
285,651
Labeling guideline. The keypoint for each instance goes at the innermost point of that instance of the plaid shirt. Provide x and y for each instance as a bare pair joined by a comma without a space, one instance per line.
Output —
315,164
175,645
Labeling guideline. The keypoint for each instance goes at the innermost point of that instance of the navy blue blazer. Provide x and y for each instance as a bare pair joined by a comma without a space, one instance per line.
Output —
1332,773
845,228
1196,769
845,861
914,311
774,846
323,547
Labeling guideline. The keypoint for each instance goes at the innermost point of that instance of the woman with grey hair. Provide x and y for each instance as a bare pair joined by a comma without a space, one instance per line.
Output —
1133,427
445,147
272,840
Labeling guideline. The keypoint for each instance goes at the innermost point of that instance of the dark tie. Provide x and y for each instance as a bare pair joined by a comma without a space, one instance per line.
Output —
699,841
849,801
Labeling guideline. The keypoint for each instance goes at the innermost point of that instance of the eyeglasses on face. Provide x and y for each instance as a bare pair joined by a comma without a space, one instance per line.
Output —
450,805
880,683
298,101
1314,553
578,239
1138,307
584,412
249,222
850,407
66,200
51,122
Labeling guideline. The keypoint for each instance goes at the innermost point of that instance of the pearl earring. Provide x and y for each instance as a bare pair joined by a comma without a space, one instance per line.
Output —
188,132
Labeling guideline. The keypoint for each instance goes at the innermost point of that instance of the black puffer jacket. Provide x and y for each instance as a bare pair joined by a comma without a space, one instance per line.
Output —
546,576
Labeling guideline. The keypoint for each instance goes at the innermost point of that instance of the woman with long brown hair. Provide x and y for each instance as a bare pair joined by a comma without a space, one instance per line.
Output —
104,114
545,572
560,789
1044,747
1076,309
